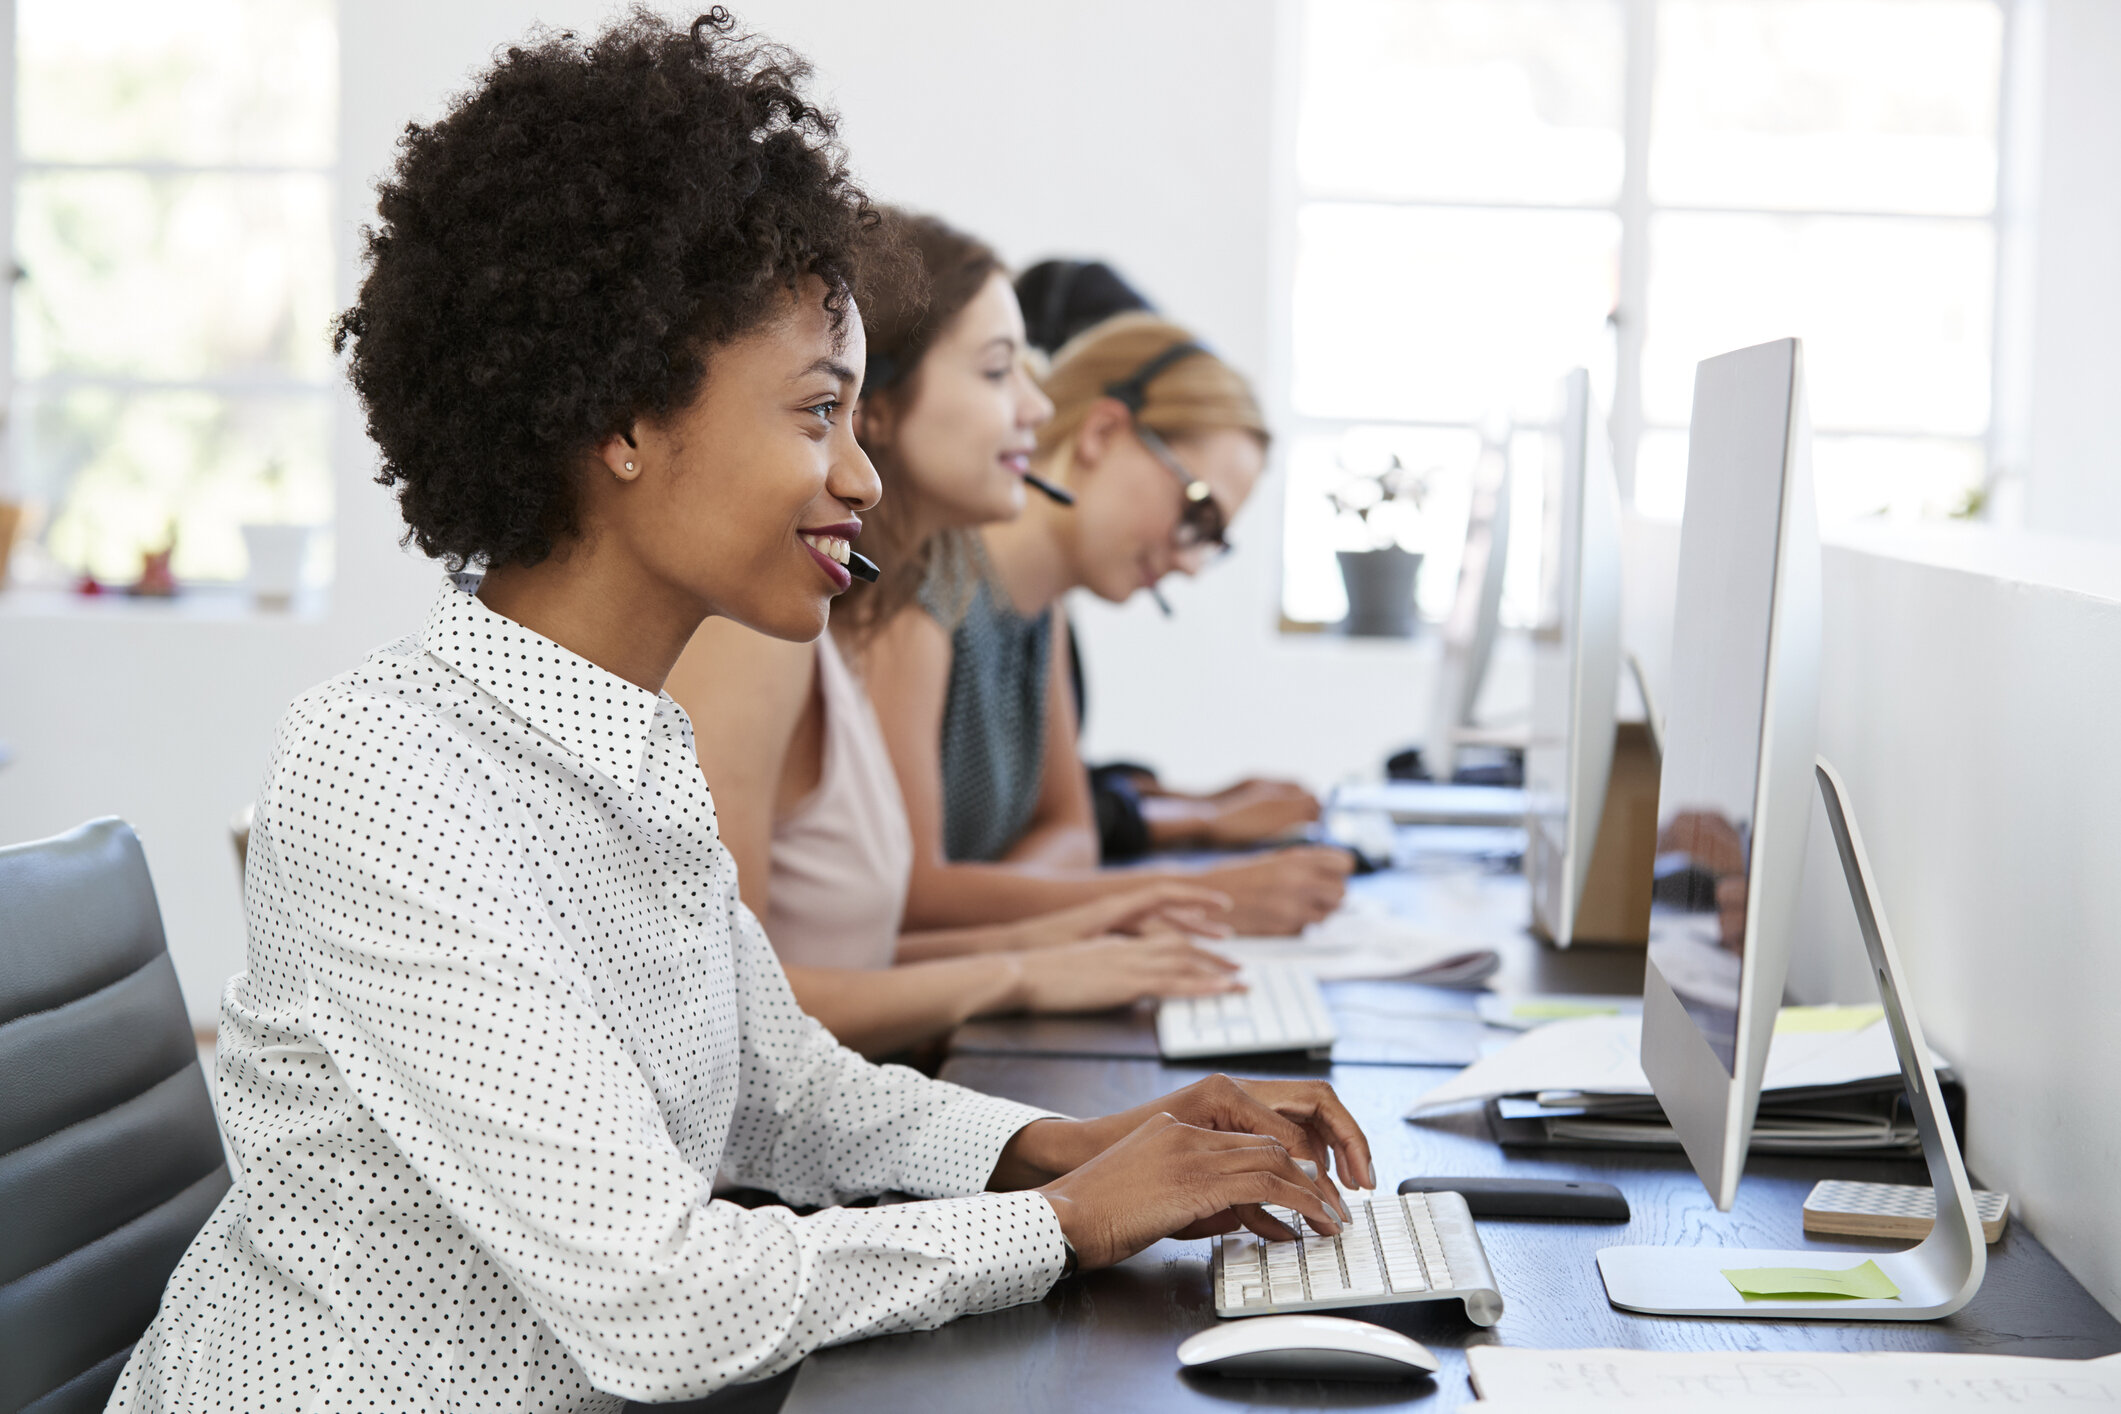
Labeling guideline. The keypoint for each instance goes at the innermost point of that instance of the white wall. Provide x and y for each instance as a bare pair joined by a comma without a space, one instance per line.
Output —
1967,692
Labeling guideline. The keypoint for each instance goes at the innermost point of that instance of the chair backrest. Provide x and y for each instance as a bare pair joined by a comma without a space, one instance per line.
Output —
110,1160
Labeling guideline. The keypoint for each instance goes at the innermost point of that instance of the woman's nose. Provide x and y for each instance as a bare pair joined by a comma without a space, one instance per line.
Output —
853,478
1032,411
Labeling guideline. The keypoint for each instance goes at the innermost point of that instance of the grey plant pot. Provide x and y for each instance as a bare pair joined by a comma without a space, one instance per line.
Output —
1380,592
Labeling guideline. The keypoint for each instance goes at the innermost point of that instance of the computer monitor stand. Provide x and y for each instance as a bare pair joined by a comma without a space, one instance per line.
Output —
1937,1276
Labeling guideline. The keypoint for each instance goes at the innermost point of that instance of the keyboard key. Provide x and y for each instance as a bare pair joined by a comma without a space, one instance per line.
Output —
1405,1273
1320,1249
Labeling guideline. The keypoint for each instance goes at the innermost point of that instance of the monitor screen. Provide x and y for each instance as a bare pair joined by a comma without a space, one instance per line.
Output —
1712,750
1575,664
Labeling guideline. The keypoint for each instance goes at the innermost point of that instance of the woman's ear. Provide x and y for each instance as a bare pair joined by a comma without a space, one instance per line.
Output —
621,456
1107,421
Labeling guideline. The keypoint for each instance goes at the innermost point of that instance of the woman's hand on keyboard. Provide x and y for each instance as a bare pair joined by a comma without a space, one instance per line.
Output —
1117,971
1282,891
1170,1179
1164,907
1303,1116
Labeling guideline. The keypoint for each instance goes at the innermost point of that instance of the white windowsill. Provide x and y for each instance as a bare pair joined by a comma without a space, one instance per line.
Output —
204,603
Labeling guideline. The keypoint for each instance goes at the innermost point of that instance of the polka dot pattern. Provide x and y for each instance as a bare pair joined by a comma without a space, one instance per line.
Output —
503,1020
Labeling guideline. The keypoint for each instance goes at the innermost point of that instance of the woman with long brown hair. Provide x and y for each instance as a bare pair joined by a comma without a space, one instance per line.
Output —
808,803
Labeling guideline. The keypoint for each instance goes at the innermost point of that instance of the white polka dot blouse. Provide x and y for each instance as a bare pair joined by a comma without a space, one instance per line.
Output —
502,1021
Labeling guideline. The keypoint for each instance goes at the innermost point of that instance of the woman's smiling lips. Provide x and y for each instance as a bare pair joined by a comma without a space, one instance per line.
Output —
830,546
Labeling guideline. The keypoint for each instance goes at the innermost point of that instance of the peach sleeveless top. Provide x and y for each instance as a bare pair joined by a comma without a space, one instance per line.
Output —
843,859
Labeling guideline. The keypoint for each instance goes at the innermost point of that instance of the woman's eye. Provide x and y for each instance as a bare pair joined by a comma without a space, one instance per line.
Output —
824,411
995,375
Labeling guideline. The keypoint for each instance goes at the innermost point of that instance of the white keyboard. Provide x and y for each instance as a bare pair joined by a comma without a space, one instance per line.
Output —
1280,1010
1400,1247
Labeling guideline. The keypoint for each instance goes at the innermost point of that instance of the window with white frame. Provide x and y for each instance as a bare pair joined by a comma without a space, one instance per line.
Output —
169,358
1490,192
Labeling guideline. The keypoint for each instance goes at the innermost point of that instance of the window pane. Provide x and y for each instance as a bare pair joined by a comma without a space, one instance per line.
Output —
1463,100
1894,314
128,471
173,277
206,81
1446,315
1660,474
1907,478
1841,105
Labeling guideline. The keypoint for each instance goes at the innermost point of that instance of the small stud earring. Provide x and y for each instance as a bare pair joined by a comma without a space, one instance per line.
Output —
629,466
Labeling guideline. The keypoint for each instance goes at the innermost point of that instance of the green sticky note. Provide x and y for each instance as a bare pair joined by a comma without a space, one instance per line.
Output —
1792,1283
1827,1018
1560,1011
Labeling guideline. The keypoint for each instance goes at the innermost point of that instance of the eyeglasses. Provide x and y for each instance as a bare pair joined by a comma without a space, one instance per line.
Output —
1201,522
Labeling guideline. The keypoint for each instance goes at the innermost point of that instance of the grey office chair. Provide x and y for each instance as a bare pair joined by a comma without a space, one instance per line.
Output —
110,1160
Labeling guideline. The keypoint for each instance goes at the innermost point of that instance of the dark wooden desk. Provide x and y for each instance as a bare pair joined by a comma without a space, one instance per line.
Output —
1106,1341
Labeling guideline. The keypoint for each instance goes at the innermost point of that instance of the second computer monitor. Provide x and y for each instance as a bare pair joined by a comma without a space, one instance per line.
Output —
1739,740
1476,609
1575,667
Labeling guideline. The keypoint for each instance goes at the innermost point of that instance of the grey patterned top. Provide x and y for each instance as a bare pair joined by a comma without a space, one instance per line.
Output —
994,723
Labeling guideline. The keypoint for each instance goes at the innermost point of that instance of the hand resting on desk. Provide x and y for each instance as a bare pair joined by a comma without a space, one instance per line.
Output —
1199,1162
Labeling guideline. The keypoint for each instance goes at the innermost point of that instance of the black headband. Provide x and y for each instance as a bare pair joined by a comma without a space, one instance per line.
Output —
1134,391
1056,312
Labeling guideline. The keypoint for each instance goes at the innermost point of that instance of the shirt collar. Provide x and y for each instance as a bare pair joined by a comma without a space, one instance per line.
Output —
597,715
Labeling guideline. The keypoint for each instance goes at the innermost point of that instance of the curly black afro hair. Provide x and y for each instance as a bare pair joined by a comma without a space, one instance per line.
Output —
559,255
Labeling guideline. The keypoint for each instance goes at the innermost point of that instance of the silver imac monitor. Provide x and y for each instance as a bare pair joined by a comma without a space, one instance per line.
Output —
1575,666
1740,768
1741,716
1476,609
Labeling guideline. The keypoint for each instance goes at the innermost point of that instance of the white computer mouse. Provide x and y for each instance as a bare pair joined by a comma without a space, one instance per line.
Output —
1306,1348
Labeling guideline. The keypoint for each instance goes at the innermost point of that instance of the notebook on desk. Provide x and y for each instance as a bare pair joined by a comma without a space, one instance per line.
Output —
1831,1087
1363,939
1865,1118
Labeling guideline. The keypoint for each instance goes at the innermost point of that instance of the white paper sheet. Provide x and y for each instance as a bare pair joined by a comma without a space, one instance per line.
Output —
1773,1404
1667,1382
1359,940
1600,1055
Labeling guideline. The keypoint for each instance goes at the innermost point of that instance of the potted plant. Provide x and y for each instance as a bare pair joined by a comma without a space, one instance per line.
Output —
1380,512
